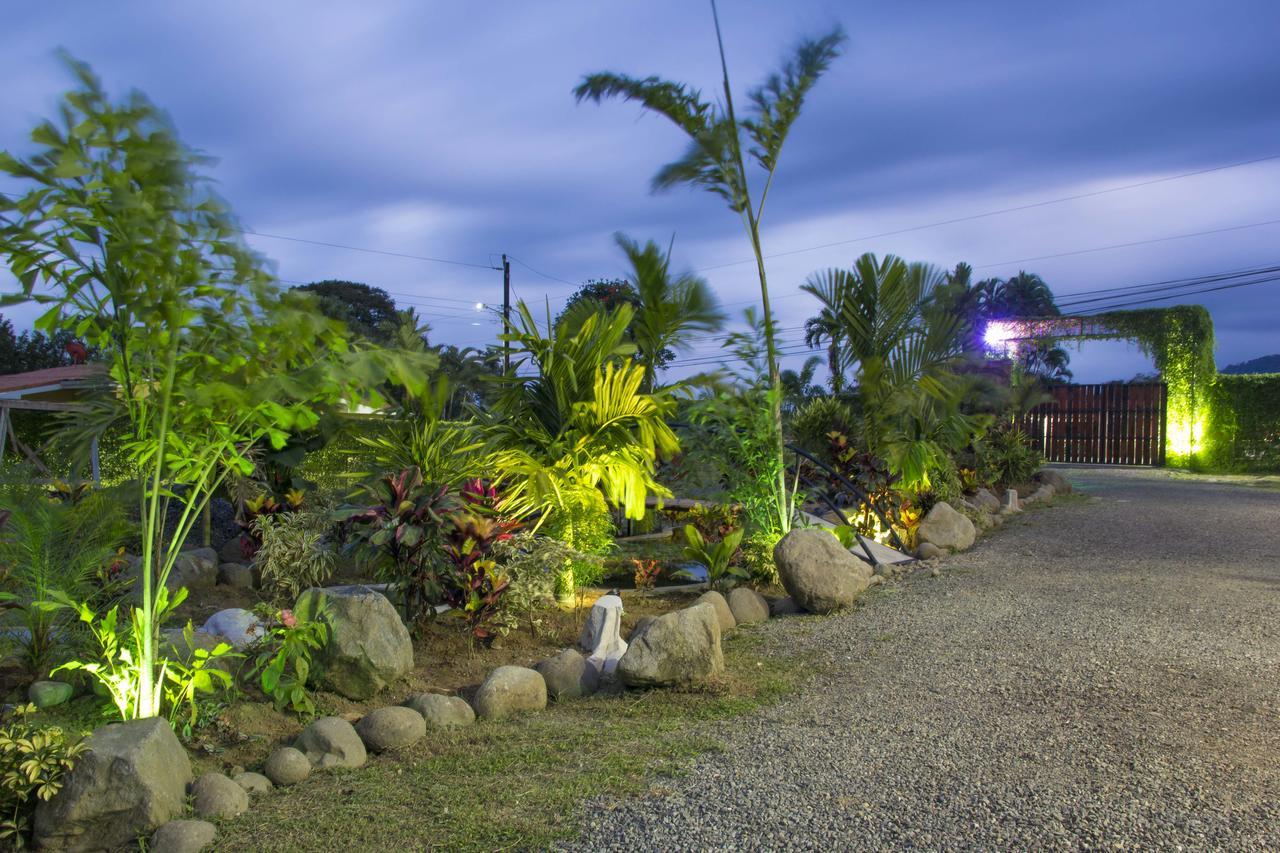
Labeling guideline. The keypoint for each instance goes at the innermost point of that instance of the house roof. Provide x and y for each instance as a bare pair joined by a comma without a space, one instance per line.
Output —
19,385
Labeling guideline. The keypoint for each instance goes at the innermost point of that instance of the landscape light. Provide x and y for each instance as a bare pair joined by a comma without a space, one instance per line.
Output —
479,306
1000,336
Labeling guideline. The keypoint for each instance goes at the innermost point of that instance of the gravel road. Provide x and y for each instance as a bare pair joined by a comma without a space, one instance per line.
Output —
1099,673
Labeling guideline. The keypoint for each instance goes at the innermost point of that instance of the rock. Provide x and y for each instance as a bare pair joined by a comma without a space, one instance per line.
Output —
215,796
984,500
569,675
331,742
132,779
783,606
1061,485
238,575
46,694
394,727
253,783
287,766
876,580
183,836
818,572
1010,502
929,551
238,626
510,690
747,605
602,634
231,551
935,572
724,615
946,528
368,648
682,647
442,712
194,569
639,626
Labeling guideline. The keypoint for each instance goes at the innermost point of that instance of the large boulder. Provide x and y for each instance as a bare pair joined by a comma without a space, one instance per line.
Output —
215,796
984,500
183,836
818,572
442,712
240,627
238,575
510,690
331,742
681,647
569,675
394,727
46,694
368,648
1048,476
724,614
946,528
193,569
748,605
132,779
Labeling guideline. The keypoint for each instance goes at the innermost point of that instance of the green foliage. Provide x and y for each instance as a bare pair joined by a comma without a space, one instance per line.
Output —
584,525
49,545
532,565
297,550
120,236
283,665
713,521
1245,422
475,586
446,452
716,556
367,312
1006,457
814,421
196,677
34,760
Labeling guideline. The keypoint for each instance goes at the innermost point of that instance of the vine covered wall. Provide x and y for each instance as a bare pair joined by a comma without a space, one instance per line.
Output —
1245,422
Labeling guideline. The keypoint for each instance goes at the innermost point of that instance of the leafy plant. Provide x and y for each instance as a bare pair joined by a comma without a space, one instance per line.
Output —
50,545
34,760
531,564
195,677
720,145
1006,457
716,556
403,529
648,573
296,551
283,665
265,505
475,586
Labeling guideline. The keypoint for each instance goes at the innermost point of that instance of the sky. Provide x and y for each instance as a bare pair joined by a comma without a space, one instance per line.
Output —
449,131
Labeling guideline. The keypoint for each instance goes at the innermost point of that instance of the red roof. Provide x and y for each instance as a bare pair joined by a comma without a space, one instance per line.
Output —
71,376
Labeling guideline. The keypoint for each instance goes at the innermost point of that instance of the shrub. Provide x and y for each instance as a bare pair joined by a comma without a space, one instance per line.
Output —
713,521
187,681
585,526
475,587
531,564
716,556
815,420
283,665
295,550
33,761
1006,457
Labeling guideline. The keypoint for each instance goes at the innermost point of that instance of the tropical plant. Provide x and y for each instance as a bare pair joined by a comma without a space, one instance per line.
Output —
283,665
123,241
798,387
572,426
814,421
647,573
720,145
532,564
1006,457
713,521
34,761
475,585
402,529
297,551
716,556
197,676
49,545
446,452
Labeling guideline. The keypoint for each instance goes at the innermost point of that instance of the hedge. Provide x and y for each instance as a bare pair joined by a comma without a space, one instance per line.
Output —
1244,417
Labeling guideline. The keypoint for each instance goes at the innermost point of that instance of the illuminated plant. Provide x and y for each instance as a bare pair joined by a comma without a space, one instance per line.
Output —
716,556
33,763
120,237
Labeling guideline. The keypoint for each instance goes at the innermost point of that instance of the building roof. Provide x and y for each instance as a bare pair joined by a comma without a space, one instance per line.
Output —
52,379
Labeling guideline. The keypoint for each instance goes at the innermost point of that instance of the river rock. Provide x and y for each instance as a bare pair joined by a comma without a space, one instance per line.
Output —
331,742
747,605
132,779
46,694
253,783
682,647
215,796
442,712
394,727
369,647
238,575
569,675
183,836
928,551
510,690
946,528
287,766
984,500
240,627
724,614
819,573
1061,485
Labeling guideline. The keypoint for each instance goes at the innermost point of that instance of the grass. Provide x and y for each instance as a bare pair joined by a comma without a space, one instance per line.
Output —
516,784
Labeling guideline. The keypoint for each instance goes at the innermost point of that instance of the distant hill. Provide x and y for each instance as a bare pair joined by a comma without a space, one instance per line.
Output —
1262,364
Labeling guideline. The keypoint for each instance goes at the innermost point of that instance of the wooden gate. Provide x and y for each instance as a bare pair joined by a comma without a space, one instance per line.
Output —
1112,424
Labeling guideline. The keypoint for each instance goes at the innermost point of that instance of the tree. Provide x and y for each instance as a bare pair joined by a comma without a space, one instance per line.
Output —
717,155
798,385
668,309
826,327
369,312
120,237
33,350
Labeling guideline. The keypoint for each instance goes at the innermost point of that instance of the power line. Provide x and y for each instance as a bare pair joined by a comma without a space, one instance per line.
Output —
1144,290
540,273
1146,301
362,249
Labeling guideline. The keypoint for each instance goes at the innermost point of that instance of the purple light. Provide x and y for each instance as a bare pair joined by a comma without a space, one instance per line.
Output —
1000,336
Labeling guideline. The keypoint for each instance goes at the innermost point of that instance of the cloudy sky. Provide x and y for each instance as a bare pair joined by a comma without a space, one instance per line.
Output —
448,130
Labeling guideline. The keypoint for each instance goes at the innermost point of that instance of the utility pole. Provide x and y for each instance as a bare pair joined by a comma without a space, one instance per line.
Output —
506,313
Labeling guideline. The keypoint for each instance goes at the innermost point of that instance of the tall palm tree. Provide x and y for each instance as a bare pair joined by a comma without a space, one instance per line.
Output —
1023,295
826,327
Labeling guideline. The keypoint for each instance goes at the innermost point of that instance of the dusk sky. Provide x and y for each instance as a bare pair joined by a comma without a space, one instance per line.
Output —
450,131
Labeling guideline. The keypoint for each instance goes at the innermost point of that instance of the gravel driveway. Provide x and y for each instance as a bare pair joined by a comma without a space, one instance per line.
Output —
1100,673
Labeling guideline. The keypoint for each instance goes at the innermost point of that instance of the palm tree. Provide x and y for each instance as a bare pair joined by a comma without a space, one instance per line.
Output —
1023,295
668,309
826,327
797,385
716,161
